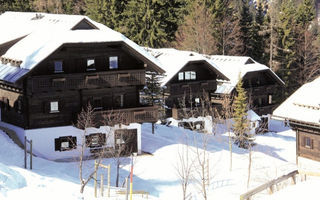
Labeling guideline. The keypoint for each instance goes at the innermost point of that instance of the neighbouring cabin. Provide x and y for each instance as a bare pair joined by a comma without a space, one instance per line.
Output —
307,138
262,85
190,79
301,111
48,74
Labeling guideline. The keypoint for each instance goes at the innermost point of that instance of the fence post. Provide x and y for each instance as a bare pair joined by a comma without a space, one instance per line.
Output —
127,193
25,152
101,185
95,178
31,154
109,180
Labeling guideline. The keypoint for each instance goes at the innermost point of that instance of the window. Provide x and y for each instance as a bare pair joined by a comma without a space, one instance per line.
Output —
270,99
187,75
54,106
58,68
66,143
97,103
307,142
113,62
96,140
91,64
180,76
193,75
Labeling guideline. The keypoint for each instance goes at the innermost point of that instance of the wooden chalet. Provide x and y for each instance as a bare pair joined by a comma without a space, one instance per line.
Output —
188,75
52,66
259,81
302,112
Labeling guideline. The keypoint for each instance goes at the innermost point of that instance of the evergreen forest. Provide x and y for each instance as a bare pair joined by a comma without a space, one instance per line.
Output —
282,34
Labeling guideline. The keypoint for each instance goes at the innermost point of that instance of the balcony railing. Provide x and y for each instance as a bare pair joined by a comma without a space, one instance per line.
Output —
128,115
194,86
87,80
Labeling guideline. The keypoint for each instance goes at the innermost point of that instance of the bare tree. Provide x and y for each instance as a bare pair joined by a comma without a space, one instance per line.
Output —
184,168
85,120
124,140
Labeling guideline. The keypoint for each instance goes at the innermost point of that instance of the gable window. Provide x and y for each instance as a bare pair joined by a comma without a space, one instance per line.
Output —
91,64
54,106
187,75
96,140
113,62
66,143
180,76
193,75
58,66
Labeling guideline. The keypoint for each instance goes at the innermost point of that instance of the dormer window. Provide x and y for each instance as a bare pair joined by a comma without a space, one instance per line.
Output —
113,62
91,64
58,67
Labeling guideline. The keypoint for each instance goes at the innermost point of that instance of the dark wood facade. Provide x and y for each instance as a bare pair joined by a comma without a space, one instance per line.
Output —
46,97
200,85
263,90
307,139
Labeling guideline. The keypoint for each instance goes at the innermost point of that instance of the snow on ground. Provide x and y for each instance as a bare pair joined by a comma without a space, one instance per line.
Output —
156,171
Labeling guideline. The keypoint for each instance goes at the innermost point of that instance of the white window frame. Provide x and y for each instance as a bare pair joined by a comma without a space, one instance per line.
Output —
180,76
193,75
54,106
91,64
56,69
270,98
187,75
113,62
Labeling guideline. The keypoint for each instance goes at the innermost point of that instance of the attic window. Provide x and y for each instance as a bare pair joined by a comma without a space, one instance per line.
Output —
58,68
249,61
113,62
91,64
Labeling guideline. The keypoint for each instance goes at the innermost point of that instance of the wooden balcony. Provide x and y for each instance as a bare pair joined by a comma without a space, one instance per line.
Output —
128,115
194,86
86,80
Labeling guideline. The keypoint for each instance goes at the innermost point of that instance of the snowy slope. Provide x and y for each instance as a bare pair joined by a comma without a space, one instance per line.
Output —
156,172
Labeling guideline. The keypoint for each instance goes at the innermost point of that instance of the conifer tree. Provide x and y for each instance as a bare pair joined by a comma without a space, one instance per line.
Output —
107,12
246,29
286,56
240,126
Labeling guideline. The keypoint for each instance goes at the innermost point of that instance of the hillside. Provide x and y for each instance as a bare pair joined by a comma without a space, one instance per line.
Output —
155,171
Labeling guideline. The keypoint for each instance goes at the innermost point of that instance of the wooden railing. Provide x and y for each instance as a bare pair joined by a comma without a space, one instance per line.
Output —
129,115
86,80
194,86
270,185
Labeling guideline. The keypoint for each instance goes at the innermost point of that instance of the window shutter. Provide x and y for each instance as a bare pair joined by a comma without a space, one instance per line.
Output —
311,143
303,141
57,144
103,139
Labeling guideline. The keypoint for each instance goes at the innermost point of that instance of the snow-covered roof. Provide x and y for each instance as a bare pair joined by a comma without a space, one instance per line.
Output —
252,116
233,66
303,105
174,60
45,35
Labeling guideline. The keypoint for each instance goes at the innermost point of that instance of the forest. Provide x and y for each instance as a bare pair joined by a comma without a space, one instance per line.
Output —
282,34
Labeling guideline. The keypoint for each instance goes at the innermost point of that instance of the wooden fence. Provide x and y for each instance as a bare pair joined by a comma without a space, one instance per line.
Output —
270,185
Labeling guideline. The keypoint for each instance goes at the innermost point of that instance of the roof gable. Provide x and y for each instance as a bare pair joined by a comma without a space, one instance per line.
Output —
303,105
45,34
173,61
84,24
